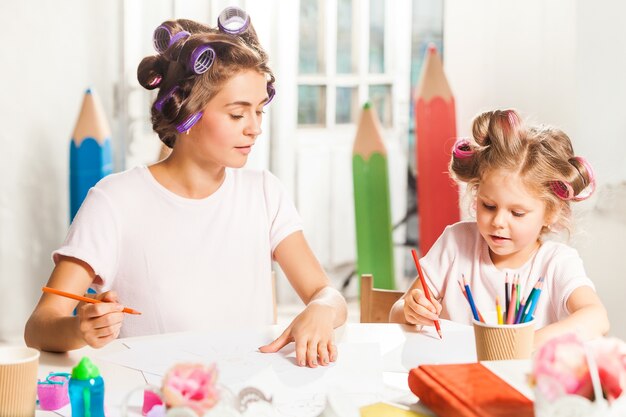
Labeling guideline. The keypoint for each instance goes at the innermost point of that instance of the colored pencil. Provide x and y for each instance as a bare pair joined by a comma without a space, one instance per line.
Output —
420,273
511,310
470,299
435,131
533,302
81,298
507,294
480,316
90,151
517,295
499,310
371,202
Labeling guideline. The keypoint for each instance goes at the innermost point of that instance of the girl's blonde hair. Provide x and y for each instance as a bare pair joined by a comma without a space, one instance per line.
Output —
182,93
542,156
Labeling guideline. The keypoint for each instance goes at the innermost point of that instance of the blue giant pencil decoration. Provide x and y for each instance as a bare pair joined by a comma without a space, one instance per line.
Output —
90,151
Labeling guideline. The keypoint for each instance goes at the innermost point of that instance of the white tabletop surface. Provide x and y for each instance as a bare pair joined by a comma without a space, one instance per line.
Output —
396,348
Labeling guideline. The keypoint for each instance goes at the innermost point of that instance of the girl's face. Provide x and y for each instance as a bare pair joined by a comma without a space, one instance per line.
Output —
509,218
231,121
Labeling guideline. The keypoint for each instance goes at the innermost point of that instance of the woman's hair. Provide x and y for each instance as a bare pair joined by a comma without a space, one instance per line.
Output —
542,156
182,92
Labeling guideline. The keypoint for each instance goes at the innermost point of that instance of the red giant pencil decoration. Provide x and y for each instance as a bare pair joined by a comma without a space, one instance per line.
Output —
437,195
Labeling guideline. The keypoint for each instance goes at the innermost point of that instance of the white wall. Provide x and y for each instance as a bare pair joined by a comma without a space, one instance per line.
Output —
51,52
560,62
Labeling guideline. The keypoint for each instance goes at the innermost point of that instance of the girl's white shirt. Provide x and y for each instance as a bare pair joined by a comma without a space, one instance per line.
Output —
461,250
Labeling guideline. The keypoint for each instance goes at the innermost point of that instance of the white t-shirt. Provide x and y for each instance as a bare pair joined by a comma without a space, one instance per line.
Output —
461,250
186,264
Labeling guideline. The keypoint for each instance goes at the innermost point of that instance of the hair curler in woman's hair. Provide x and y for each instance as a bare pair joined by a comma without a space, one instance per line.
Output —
201,59
233,20
565,191
189,122
163,38
159,103
462,149
271,92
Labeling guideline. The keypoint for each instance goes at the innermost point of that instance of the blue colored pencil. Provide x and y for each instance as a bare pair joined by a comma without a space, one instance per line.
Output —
533,303
470,299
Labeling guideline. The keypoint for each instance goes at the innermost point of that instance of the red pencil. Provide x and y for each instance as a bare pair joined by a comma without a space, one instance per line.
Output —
81,298
425,287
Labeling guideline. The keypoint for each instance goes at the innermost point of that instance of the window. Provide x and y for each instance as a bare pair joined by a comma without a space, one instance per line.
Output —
346,66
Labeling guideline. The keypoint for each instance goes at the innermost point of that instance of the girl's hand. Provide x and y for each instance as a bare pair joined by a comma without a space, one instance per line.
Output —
418,310
312,330
100,323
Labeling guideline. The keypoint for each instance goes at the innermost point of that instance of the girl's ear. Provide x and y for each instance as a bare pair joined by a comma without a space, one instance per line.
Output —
551,218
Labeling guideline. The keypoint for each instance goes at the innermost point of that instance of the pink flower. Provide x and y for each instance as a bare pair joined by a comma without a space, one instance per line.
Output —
610,355
560,367
191,385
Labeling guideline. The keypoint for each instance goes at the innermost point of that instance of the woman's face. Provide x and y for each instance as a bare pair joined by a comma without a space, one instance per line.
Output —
231,121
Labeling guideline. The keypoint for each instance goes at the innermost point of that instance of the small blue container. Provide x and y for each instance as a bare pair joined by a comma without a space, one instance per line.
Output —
86,390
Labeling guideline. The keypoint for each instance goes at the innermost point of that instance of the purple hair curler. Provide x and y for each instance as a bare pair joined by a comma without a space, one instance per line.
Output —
189,122
271,92
162,38
201,59
233,20
159,103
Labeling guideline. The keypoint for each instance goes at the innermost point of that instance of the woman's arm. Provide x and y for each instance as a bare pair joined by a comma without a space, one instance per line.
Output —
588,318
52,327
312,329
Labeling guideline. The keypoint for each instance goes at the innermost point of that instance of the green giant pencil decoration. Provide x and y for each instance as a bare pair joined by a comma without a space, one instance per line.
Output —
371,202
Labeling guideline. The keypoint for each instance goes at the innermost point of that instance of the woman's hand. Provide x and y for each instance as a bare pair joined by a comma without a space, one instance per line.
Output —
312,331
418,310
100,323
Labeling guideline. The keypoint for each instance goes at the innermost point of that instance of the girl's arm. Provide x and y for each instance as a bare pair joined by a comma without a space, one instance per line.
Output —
414,308
312,329
52,327
588,318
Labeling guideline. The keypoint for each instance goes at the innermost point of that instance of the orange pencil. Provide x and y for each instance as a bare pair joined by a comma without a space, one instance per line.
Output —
81,298
425,288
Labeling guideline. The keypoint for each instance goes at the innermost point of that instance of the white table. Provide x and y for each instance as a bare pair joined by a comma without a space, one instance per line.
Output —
400,348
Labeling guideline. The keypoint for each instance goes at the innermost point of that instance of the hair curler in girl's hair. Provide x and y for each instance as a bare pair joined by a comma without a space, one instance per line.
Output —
163,39
233,20
565,191
462,149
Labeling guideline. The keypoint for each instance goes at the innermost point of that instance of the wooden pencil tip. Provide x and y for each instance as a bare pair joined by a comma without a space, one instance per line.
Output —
432,48
88,90
367,105
440,334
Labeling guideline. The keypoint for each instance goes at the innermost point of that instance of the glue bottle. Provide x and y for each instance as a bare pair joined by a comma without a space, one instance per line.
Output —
86,390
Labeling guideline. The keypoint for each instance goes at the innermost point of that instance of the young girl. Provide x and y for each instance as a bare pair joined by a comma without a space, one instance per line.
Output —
189,241
522,180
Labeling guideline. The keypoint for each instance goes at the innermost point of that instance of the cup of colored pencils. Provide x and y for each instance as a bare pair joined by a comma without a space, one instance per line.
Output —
503,341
